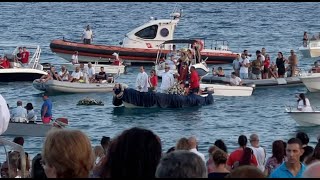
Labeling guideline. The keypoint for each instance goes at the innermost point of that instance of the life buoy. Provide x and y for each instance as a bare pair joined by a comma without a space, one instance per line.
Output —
200,45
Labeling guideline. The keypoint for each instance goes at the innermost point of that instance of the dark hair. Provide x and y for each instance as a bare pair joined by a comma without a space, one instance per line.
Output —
135,153
242,140
303,97
303,137
171,149
233,73
29,106
281,54
315,155
278,150
105,141
220,144
246,156
258,52
37,171
295,141
19,140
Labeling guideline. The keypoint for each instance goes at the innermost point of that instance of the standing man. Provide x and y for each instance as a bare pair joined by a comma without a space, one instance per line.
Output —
236,65
293,63
258,151
46,109
244,69
292,167
74,58
19,114
167,80
142,81
194,81
87,36
25,57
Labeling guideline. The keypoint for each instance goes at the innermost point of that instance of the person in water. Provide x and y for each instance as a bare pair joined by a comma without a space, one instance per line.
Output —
303,103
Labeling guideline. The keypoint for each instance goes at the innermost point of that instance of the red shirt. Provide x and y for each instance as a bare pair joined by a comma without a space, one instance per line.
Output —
5,64
183,74
266,63
25,57
194,80
236,156
153,81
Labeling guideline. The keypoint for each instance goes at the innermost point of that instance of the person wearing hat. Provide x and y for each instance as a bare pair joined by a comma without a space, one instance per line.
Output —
31,116
46,109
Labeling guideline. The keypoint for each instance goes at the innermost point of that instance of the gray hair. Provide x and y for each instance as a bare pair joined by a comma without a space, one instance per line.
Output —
181,164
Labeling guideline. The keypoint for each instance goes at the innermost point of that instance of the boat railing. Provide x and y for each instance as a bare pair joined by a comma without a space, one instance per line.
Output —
17,148
34,61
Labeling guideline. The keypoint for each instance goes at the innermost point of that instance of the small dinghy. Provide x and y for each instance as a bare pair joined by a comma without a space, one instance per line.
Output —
304,118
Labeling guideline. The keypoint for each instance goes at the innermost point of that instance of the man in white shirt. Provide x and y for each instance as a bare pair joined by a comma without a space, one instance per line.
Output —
244,63
76,75
235,80
74,58
87,36
258,151
167,80
64,74
193,148
91,72
19,114
236,65
142,81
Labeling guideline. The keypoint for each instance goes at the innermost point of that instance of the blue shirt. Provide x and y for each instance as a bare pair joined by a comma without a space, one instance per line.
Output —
283,172
47,103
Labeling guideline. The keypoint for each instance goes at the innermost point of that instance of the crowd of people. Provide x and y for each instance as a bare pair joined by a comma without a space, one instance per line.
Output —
138,153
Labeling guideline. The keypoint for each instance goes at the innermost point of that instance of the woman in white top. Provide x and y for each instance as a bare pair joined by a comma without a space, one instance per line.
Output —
31,116
304,103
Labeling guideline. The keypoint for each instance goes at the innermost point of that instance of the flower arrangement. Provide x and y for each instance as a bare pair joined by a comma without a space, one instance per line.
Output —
87,101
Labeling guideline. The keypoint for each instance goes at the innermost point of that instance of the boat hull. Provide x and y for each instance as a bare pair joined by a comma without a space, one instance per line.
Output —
225,90
20,74
27,129
306,118
311,81
103,53
279,82
54,86
109,69
311,50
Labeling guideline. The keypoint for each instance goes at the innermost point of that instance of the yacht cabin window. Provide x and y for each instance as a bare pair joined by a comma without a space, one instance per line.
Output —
148,32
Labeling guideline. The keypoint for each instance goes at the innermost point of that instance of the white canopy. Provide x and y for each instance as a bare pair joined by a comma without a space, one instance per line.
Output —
4,115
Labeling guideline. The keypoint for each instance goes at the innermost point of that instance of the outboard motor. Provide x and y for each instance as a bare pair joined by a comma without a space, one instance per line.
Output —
251,85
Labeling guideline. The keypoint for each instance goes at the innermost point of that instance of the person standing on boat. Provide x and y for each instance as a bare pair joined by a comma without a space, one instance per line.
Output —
280,65
167,80
18,56
244,67
19,114
153,81
25,57
293,63
183,74
87,36
117,61
305,39
74,58
194,81
46,109
236,65
304,103
142,81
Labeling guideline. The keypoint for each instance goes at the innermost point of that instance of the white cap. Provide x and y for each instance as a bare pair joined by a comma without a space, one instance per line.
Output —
115,54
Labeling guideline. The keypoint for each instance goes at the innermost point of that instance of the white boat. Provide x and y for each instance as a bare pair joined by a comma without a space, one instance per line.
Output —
108,68
199,64
17,72
27,129
227,90
54,86
311,50
311,81
304,118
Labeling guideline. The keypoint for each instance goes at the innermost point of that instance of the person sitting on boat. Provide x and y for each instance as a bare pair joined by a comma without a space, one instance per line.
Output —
74,58
64,74
184,71
303,103
220,72
273,70
25,57
91,73
167,80
19,114
214,72
305,39
31,116
235,80
101,76
87,36
76,75
152,81
4,63
316,68
117,61
194,81
142,81
18,55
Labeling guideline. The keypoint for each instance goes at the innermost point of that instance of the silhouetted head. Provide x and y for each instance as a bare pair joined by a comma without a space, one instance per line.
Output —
220,144
242,141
